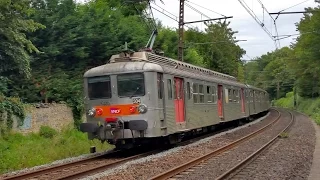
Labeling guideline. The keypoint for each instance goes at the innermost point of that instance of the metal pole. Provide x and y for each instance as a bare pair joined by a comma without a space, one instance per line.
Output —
181,23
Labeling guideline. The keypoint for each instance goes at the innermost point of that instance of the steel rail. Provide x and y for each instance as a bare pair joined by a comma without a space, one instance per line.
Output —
56,167
174,171
246,161
103,167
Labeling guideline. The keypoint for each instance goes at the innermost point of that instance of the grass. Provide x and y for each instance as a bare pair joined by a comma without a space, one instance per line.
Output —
310,107
284,135
19,151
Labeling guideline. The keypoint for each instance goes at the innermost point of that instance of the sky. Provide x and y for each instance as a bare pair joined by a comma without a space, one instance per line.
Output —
258,41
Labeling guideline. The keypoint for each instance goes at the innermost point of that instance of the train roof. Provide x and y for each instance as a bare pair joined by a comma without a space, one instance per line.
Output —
167,62
123,67
145,61
127,67
255,88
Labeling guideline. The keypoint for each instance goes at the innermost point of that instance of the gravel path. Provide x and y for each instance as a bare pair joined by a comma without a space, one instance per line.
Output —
220,164
147,167
289,158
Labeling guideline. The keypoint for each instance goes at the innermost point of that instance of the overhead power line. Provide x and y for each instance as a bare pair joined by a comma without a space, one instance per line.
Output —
294,5
175,19
205,8
274,20
196,10
255,17
290,35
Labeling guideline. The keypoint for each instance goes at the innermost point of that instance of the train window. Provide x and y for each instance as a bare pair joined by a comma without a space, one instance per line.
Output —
209,95
201,93
131,85
169,84
188,90
99,87
230,95
214,93
236,96
160,85
175,89
195,93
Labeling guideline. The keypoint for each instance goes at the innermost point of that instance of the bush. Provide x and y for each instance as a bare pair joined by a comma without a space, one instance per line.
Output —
47,132
310,107
19,151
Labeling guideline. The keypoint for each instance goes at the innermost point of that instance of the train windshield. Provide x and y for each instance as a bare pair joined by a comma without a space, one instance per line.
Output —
99,87
130,85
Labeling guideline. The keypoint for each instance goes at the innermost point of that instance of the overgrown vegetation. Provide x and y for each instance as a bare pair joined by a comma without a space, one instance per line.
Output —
284,135
19,151
308,106
8,108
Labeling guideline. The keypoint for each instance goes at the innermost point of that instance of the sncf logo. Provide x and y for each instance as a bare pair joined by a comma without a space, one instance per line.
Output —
115,110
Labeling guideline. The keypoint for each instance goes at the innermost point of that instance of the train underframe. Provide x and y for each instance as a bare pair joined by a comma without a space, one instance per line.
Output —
173,139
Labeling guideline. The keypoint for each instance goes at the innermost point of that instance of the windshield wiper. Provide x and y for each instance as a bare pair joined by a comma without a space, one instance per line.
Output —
134,93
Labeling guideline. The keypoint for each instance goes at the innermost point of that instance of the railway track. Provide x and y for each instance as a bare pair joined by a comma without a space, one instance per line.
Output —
189,167
79,168
89,166
234,172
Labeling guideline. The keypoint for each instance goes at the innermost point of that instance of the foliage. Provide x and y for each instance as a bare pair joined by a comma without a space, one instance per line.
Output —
272,70
19,151
14,43
47,132
309,106
9,107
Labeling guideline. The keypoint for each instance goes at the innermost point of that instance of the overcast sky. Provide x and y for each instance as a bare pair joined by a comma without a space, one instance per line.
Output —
258,42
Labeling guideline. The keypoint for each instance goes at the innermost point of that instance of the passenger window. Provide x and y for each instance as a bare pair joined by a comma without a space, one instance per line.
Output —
169,84
214,94
188,90
226,92
230,95
195,93
160,85
201,93
209,94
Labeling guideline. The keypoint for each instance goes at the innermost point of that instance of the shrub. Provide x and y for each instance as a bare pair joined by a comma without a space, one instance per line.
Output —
47,132
19,151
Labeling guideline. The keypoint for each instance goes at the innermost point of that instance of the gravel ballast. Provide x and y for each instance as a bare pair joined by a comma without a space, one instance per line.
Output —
289,158
145,168
222,163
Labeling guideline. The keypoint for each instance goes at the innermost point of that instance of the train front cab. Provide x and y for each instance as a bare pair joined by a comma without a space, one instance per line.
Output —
123,107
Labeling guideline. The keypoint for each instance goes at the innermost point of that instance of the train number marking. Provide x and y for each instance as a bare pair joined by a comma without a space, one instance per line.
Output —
136,100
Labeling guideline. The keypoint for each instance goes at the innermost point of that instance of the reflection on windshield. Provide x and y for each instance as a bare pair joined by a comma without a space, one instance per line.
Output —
130,85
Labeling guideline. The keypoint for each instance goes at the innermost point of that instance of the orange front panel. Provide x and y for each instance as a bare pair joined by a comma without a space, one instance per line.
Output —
118,110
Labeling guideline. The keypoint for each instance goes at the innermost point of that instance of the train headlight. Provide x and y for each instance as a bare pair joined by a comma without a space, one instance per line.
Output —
92,112
142,108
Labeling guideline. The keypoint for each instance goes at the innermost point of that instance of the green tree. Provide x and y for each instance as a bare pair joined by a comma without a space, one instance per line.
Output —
14,45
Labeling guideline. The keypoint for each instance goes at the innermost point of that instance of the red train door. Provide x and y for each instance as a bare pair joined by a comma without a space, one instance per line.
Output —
243,108
220,101
179,100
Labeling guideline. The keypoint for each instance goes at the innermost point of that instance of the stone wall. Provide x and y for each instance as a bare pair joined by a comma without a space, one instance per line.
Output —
56,116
